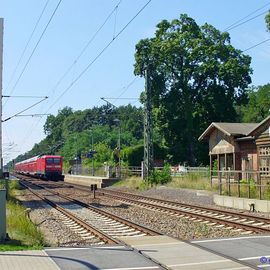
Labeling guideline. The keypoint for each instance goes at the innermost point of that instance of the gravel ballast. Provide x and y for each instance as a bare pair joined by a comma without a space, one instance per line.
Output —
57,234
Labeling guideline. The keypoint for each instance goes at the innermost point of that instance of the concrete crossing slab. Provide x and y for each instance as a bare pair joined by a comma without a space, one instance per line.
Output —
26,260
179,255
254,249
101,257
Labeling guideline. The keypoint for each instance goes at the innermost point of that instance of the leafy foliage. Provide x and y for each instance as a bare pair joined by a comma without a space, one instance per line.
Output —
73,133
258,105
197,77
161,176
133,156
267,20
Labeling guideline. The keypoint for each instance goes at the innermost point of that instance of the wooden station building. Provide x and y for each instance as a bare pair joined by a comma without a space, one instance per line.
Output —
239,146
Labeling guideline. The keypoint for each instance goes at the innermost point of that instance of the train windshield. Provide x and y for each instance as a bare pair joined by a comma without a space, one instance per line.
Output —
56,160
52,161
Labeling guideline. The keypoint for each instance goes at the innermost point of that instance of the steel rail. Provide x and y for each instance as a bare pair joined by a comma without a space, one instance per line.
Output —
131,224
193,206
246,227
104,237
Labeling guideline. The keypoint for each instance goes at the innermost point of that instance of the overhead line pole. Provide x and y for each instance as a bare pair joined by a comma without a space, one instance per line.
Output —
1,89
3,193
148,162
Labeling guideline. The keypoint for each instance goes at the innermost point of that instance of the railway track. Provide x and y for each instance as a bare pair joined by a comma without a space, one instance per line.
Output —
224,219
81,228
105,226
246,224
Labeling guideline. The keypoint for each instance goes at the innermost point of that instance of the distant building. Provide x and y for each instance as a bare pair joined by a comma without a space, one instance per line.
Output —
239,146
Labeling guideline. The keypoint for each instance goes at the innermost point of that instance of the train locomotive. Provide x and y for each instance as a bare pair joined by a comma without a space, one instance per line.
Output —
45,167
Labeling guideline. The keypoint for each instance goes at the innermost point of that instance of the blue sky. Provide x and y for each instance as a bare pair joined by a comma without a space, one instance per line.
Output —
71,28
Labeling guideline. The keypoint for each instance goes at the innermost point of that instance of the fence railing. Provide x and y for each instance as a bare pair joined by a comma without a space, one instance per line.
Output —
248,184
128,171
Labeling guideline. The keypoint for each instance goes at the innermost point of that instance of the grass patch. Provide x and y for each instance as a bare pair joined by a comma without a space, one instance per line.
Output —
20,227
22,231
133,182
190,180
15,245
193,181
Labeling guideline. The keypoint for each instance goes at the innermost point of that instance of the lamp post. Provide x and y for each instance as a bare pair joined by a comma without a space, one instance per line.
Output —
119,144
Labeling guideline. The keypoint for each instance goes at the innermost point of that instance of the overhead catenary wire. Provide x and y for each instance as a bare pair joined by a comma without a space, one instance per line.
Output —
99,54
103,50
127,87
256,45
115,19
241,23
5,96
253,12
83,50
29,107
34,49
89,42
27,43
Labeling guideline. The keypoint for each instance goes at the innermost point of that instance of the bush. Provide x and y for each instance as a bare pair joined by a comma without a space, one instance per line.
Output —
244,188
161,176
133,155
266,193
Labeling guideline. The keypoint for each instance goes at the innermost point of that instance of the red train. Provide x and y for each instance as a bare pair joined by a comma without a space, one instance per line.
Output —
48,166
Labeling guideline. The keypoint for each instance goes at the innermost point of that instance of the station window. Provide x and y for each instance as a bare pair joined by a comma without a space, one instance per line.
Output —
264,155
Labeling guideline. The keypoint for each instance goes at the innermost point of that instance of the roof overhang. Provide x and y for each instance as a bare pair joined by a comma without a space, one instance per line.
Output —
260,127
210,129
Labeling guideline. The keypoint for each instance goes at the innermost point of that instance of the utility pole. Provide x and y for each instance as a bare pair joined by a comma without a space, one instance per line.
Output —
1,79
2,192
148,161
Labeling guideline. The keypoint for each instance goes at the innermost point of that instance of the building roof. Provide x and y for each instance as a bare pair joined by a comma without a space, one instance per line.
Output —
262,123
230,129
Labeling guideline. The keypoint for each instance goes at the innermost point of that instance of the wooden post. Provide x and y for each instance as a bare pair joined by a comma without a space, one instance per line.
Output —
219,182
229,185
239,193
211,180
234,166
260,186
248,182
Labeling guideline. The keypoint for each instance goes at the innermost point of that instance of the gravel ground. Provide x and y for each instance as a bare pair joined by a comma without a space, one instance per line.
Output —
57,234
49,222
199,197
168,224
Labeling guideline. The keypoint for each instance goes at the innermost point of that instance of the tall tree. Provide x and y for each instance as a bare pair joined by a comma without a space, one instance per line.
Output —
267,20
197,76
258,105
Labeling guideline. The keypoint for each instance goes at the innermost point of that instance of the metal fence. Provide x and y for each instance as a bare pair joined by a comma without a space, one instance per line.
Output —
128,171
247,184
181,171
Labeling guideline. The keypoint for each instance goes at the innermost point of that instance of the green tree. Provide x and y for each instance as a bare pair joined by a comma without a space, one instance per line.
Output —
196,77
267,20
258,105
